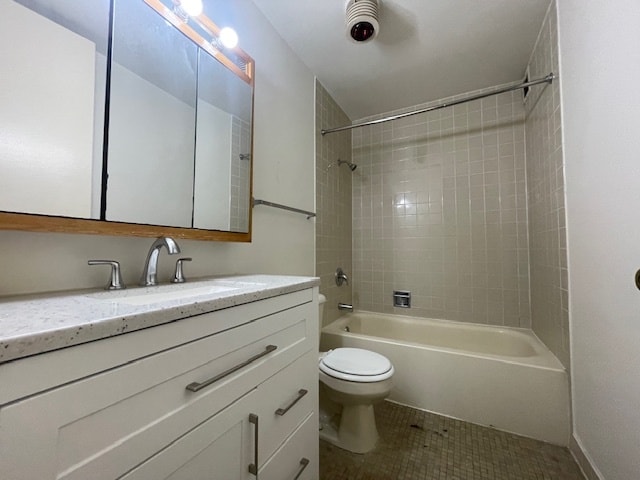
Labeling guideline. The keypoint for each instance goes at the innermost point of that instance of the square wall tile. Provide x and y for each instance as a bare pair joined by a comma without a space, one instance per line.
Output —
445,173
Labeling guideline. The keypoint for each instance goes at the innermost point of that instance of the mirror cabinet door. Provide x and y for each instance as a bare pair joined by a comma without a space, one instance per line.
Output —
223,148
150,160
53,55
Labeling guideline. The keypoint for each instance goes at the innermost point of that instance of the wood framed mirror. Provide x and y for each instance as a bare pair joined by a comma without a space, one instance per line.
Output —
123,117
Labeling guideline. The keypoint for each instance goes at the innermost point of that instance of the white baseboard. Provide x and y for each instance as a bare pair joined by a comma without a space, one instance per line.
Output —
583,459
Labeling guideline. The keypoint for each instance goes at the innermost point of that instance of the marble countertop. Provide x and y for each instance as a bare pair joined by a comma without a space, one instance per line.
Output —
40,323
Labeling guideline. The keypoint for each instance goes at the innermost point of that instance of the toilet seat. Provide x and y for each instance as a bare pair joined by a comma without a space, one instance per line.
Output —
356,365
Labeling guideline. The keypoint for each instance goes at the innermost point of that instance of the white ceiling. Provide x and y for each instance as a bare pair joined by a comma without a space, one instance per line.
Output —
425,50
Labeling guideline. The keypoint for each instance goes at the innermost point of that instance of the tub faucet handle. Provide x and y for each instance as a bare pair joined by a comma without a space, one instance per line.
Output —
345,306
341,277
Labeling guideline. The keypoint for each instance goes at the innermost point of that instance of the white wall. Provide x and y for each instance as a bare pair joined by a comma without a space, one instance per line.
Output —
599,71
284,173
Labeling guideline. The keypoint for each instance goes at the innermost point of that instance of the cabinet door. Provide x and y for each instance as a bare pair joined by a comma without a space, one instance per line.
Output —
297,458
286,399
222,448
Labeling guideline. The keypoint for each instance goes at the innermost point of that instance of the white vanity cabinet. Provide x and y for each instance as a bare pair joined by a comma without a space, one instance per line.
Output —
222,395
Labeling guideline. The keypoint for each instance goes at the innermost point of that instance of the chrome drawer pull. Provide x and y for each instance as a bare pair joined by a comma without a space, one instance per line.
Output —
253,467
303,462
195,386
301,393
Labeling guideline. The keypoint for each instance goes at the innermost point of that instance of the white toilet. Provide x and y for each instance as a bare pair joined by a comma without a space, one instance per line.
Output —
355,379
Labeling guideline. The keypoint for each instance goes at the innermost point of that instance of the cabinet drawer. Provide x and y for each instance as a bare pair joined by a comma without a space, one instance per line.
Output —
102,426
282,404
297,459
24,377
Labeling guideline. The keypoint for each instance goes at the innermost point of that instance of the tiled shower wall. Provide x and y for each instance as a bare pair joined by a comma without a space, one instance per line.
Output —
545,185
333,203
439,209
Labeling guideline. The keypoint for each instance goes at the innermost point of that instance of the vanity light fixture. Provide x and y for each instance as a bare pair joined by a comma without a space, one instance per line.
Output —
192,8
228,37
221,43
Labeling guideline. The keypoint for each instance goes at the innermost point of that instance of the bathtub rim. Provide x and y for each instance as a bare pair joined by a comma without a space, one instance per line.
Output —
547,360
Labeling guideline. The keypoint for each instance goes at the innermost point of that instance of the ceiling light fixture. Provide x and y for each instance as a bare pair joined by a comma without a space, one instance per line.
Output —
362,20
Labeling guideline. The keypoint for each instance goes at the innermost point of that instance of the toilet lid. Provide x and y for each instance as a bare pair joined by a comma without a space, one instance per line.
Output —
356,364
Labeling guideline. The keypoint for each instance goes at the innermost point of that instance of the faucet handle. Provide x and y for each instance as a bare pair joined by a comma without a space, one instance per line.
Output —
178,276
115,281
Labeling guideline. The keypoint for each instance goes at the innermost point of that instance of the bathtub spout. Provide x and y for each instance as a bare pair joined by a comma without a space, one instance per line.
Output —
345,306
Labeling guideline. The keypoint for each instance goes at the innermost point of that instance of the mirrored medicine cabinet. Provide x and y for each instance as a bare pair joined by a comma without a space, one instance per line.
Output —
121,117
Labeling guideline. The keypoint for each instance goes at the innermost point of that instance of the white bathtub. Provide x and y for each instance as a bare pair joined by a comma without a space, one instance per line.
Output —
497,376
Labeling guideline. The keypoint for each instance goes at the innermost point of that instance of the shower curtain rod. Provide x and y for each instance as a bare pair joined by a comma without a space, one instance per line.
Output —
548,79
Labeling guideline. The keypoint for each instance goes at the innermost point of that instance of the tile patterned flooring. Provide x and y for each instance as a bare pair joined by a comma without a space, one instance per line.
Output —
417,445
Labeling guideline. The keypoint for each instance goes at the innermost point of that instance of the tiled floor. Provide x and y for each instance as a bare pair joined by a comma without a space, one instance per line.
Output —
416,445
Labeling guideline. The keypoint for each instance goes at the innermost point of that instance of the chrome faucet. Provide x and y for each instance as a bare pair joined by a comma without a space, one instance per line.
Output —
345,306
150,272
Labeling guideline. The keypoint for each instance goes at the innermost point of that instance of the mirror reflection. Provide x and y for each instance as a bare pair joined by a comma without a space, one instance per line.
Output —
152,120
52,105
223,133
178,122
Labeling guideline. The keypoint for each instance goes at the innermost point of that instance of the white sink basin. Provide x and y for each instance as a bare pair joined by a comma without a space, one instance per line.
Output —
166,296
167,293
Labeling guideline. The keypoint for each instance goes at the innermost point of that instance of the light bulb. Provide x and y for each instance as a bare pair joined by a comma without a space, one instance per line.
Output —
193,8
228,37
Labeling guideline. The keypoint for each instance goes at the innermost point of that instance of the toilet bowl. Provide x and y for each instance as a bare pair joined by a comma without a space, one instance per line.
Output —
354,380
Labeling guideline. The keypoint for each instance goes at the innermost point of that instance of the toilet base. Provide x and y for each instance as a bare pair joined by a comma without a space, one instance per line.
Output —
353,430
